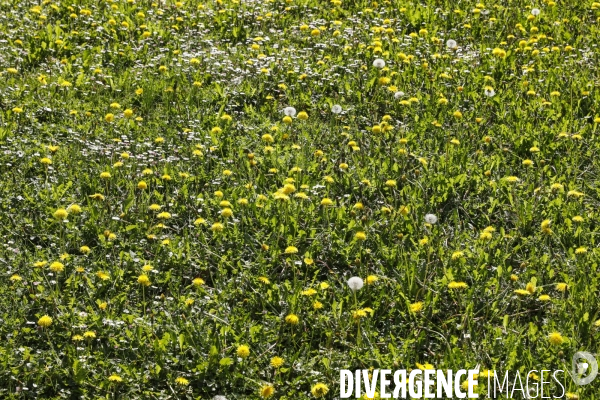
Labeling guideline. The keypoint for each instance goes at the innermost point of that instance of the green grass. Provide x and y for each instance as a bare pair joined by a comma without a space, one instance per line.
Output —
61,72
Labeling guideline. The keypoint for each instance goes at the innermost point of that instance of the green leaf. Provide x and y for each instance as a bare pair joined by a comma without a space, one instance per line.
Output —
78,371
181,340
128,203
224,362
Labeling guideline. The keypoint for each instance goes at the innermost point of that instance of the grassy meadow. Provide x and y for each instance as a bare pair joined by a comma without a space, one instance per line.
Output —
188,187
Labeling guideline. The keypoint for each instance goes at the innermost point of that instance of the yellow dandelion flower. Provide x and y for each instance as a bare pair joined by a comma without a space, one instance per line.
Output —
199,221
556,338
485,235
291,250
319,390
243,351
102,275
198,282
457,285
360,236
292,319
45,321
57,267
74,209
164,215
276,362
182,381
522,292
61,214
217,227
144,280
562,287
266,391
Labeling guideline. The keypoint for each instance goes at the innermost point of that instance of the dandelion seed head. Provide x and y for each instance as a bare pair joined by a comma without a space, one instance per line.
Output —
379,63
431,219
289,112
355,283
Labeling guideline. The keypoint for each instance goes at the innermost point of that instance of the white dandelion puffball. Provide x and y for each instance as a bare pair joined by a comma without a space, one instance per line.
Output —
430,219
535,12
397,95
219,397
289,111
336,109
355,283
379,63
451,44
582,367
489,92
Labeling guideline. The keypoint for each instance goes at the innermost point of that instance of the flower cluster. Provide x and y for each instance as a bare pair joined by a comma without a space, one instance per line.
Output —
231,199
